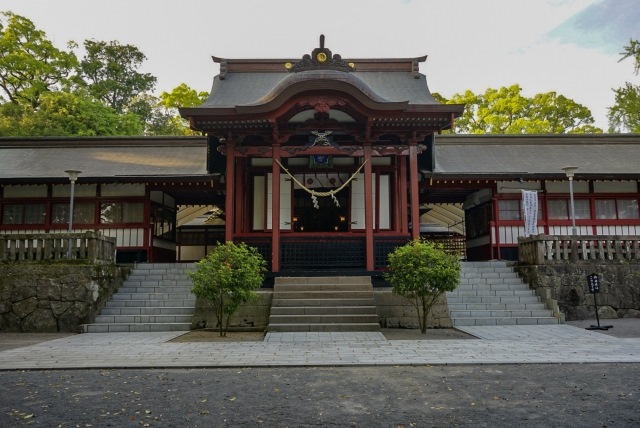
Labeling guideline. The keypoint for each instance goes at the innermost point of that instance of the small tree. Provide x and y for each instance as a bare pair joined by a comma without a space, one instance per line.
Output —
228,277
421,271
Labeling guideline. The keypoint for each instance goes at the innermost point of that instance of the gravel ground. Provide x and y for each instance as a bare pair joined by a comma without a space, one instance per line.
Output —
575,395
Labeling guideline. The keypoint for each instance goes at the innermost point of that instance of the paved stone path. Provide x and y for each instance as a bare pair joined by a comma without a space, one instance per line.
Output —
503,345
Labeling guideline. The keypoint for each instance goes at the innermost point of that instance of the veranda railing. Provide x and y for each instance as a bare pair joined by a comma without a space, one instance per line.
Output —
541,249
88,246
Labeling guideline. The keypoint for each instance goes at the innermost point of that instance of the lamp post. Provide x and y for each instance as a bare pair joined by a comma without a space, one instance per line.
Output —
570,171
73,176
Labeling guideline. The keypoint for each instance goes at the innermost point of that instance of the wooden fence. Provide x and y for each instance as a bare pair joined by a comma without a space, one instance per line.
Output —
543,249
88,246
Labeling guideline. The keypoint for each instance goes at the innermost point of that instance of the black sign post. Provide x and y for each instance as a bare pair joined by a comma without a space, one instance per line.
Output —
593,282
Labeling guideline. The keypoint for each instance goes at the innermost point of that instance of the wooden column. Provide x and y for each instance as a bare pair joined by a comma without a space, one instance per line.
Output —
404,214
275,209
241,198
229,201
413,182
368,206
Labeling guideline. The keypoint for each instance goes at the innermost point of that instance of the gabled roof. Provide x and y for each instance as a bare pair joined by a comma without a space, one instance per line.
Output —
249,89
102,158
603,155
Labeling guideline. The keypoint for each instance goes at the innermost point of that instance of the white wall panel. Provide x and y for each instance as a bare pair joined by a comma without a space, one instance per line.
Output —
258,202
385,203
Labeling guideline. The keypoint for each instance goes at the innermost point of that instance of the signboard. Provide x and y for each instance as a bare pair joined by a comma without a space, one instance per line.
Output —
593,282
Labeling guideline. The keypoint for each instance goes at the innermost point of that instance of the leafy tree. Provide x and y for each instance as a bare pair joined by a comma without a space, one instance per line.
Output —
110,71
421,271
183,96
161,116
180,96
507,111
66,114
30,65
625,113
228,277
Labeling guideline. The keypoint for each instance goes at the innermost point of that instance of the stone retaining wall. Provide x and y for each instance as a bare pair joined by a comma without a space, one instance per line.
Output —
54,297
393,312
398,312
250,315
566,283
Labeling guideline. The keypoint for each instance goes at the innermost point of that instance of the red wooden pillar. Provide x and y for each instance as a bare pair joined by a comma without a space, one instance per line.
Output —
275,209
404,215
229,200
415,201
368,206
240,200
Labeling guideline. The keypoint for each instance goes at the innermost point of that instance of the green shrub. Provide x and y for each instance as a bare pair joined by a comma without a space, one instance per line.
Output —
228,277
421,271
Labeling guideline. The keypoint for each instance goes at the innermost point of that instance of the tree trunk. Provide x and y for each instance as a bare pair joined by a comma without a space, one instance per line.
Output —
425,312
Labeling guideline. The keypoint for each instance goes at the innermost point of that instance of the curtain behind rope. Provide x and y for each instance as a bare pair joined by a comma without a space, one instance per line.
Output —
530,210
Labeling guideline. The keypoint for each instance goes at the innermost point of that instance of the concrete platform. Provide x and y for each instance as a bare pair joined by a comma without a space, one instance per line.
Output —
498,345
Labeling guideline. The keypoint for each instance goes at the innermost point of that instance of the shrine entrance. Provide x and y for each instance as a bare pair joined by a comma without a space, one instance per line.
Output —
321,215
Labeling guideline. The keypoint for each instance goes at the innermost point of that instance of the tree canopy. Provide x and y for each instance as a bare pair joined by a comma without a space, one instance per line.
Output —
507,111
110,71
30,64
624,115
46,90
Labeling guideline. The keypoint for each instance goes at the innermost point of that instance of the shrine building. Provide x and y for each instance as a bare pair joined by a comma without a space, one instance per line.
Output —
324,164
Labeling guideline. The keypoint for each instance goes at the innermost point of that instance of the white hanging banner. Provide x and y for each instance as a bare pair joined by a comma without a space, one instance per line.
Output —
530,210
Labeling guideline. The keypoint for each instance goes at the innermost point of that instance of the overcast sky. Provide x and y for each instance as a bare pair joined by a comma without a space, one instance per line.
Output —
568,46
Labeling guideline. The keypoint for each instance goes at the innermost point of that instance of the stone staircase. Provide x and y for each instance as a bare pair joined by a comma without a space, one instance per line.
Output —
155,297
323,304
491,293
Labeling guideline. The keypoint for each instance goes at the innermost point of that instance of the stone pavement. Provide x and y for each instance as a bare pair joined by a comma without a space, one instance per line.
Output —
503,345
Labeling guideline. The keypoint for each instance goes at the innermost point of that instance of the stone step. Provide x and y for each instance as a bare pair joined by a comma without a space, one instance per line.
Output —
323,327
501,313
500,286
160,271
323,304
153,310
488,275
144,319
276,302
328,310
493,299
154,289
481,281
152,296
317,280
488,293
159,283
495,306
155,297
491,293
324,319
284,288
151,303
500,269
138,327
187,265
319,294
503,321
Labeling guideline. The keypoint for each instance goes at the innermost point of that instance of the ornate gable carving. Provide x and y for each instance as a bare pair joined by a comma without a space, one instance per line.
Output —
321,59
